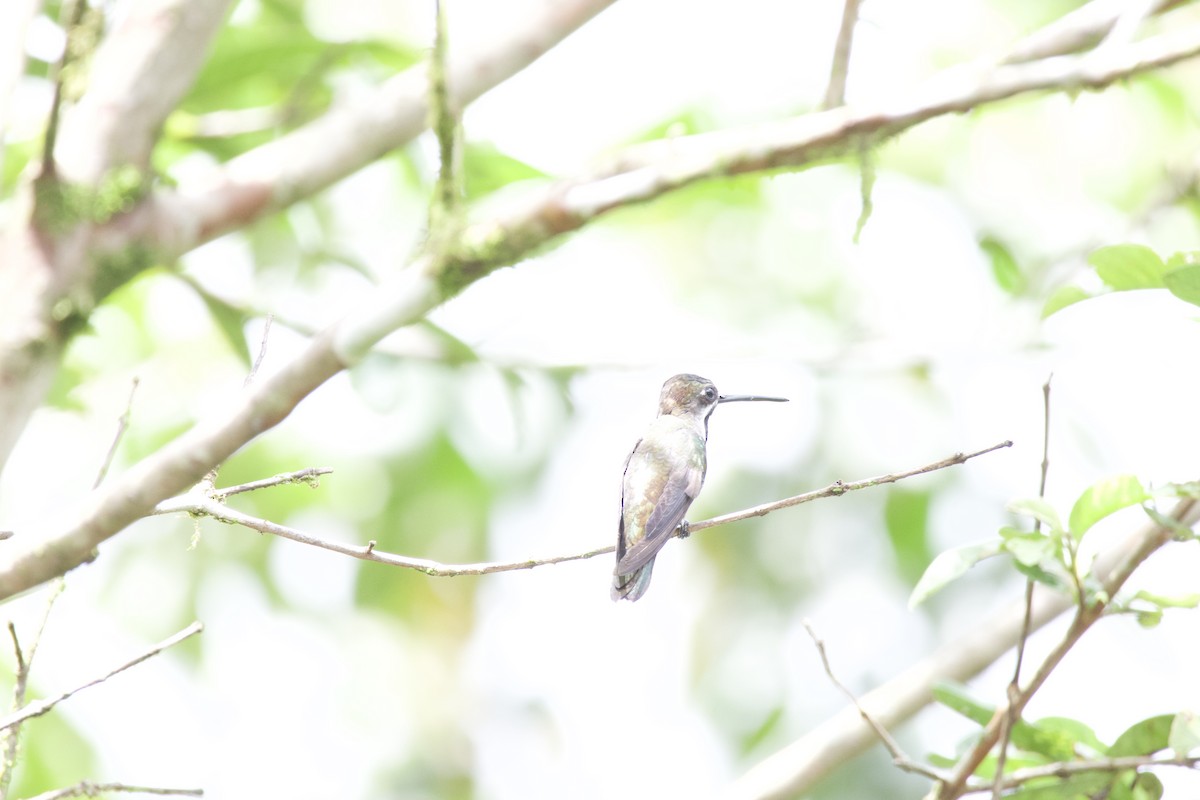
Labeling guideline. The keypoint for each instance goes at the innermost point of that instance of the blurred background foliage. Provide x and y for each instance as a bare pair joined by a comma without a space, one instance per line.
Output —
497,429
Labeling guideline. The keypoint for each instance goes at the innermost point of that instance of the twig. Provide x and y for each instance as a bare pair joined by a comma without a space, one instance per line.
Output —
204,504
835,93
1014,685
262,351
36,709
444,122
210,479
73,15
839,488
122,426
309,476
1067,768
10,737
1127,24
1075,31
88,789
1185,513
899,757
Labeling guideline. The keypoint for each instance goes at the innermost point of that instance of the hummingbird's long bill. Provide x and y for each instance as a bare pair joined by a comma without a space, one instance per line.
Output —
739,398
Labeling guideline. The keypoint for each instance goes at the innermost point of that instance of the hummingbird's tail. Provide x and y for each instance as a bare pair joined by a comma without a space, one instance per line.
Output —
633,585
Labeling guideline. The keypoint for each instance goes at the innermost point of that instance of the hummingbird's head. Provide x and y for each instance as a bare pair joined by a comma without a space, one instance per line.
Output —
692,396
688,395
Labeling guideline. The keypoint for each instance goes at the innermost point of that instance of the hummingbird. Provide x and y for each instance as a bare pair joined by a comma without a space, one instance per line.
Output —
663,475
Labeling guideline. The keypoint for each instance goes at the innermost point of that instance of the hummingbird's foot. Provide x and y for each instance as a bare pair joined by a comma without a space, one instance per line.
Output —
684,530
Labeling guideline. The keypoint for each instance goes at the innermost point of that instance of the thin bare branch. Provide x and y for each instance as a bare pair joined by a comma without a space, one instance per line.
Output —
1014,685
10,738
88,789
210,479
72,14
122,426
839,488
1067,768
444,121
307,476
207,503
1127,24
262,351
835,93
899,757
36,709
1078,30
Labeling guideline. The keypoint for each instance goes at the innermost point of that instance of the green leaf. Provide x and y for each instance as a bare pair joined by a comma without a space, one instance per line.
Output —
948,566
1148,617
485,169
1079,733
1185,489
232,324
955,697
1052,741
1062,297
906,514
1058,580
1182,532
1029,548
1133,785
1143,738
765,728
1128,266
1039,509
1185,733
1184,283
1168,601
1103,498
1004,267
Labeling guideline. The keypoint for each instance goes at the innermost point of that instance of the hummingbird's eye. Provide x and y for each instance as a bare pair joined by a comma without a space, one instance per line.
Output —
710,393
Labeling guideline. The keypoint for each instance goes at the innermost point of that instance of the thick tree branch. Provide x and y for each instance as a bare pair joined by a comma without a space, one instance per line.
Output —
56,259
794,769
350,136
140,72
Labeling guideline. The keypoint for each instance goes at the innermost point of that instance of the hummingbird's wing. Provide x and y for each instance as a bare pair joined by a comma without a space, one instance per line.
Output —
671,498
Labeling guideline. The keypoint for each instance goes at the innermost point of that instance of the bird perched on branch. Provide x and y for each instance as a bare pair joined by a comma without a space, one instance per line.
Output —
663,475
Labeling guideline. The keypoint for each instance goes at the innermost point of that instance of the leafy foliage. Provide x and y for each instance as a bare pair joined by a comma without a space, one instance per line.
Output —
1128,267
